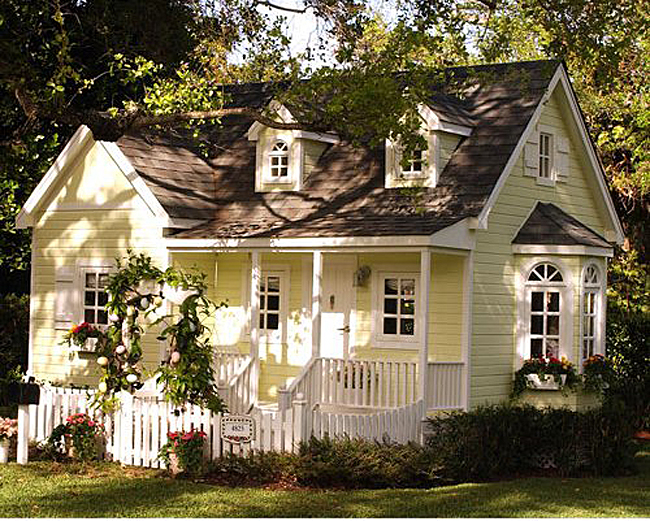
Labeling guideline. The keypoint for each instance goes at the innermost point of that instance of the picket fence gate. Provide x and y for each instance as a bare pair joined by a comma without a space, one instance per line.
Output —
136,433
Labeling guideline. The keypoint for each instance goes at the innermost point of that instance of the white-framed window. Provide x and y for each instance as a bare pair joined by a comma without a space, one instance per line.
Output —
270,303
591,312
415,165
279,162
396,307
94,296
546,311
273,302
545,156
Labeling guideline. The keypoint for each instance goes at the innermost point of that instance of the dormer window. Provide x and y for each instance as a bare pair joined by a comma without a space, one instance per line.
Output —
279,162
415,165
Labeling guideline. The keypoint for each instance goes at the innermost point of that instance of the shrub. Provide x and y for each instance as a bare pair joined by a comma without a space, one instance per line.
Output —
256,468
14,336
499,441
354,463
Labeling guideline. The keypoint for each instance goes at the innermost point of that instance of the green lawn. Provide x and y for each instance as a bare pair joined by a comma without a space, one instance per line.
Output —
43,489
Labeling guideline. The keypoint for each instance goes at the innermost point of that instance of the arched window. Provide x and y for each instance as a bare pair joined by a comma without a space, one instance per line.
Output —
592,290
544,299
279,161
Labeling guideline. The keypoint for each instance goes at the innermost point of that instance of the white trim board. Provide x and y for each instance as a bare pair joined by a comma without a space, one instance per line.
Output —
560,77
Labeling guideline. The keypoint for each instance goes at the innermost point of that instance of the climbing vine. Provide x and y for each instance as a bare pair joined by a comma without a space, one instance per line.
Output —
136,295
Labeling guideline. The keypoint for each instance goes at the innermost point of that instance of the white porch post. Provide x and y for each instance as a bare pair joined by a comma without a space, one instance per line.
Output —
316,298
423,319
256,274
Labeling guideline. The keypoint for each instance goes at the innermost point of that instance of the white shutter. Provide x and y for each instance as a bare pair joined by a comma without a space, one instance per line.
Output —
392,163
562,158
531,159
65,305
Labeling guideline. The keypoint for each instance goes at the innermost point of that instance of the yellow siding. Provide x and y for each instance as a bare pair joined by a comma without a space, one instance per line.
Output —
97,215
447,143
494,304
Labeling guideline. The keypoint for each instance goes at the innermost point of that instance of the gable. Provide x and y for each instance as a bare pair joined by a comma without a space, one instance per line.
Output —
580,189
89,175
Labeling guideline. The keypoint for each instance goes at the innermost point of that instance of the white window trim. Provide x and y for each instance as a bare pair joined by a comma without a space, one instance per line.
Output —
523,291
549,156
379,339
263,180
83,265
268,168
600,303
284,272
553,174
394,175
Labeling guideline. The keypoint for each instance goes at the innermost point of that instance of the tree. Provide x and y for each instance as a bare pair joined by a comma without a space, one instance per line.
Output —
103,64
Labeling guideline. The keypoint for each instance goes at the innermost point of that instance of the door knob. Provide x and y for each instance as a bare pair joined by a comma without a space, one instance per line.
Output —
345,329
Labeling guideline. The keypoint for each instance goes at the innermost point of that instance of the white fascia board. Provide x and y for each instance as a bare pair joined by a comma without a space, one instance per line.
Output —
496,191
25,217
317,136
434,122
556,249
136,181
594,160
458,236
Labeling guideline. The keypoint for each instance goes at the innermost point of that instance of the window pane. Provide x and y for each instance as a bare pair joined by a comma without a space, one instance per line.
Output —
408,287
537,324
89,298
408,307
272,321
390,326
592,303
390,287
552,348
262,320
103,280
553,298
591,328
91,280
536,347
102,317
89,316
102,298
407,326
274,284
390,306
553,325
262,302
534,276
556,277
537,301
273,303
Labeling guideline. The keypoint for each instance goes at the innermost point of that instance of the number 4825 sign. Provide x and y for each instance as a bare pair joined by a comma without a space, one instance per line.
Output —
237,429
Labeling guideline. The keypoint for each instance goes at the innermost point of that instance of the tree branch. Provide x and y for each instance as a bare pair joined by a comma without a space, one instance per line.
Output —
281,7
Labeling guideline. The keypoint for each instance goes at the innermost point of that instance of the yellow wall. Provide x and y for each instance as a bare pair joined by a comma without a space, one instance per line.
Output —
97,215
494,303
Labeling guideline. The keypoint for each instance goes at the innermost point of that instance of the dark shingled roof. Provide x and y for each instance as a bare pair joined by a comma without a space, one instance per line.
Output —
548,224
344,195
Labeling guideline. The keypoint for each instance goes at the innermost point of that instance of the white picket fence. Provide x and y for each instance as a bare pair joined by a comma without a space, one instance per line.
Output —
135,433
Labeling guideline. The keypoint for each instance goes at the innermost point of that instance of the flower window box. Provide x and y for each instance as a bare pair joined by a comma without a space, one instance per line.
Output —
548,383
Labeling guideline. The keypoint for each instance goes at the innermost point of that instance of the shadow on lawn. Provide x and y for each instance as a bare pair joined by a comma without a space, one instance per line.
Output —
116,496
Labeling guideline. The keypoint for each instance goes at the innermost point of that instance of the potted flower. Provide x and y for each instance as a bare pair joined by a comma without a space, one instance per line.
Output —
84,336
183,451
545,374
8,430
83,437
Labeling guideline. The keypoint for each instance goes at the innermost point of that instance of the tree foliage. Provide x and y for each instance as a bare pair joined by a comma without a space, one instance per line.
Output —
115,65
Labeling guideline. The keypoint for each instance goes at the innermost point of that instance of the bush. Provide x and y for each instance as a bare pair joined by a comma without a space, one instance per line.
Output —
499,441
628,345
353,463
256,468
14,338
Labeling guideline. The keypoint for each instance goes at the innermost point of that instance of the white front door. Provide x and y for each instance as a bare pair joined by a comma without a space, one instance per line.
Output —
338,292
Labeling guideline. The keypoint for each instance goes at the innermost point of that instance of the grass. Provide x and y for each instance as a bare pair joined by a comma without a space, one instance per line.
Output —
45,489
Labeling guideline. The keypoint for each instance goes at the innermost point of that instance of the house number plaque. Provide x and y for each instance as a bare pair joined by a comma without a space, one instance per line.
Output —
237,429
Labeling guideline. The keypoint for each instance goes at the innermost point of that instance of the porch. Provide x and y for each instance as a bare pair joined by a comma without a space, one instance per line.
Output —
350,330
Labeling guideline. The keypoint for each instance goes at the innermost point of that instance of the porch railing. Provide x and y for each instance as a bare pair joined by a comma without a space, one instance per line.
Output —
355,383
240,393
225,365
446,386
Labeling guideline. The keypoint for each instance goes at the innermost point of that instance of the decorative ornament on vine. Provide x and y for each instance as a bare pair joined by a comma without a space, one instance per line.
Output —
136,295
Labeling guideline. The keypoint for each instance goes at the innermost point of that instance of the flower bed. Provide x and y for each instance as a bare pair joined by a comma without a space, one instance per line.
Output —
183,451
